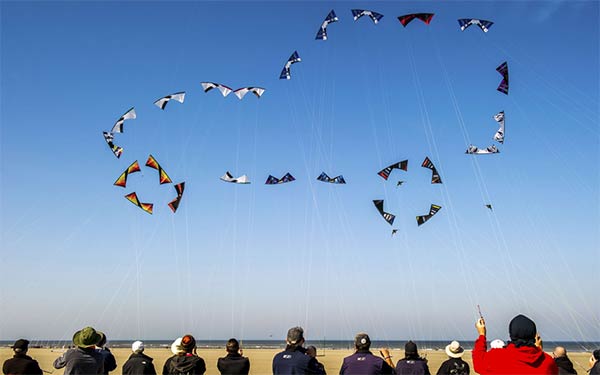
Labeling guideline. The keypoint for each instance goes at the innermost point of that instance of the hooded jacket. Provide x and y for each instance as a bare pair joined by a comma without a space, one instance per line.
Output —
188,364
80,361
139,364
233,364
511,360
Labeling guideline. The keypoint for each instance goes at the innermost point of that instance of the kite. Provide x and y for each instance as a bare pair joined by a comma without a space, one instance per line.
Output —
407,18
122,180
285,72
483,24
240,93
435,176
162,175
399,183
385,173
424,218
322,33
499,136
228,177
108,137
118,126
162,102
207,86
357,13
132,197
503,69
474,150
274,180
394,231
335,180
386,216
489,206
174,204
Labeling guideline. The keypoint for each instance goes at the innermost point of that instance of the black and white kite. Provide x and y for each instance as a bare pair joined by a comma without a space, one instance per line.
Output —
407,18
435,176
483,24
474,150
322,33
424,218
118,126
357,13
271,180
503,69
162,102
228,177
240,93
285,72
108,137
489,206
335,180
386,216
385,172
207,86
399,183
499,136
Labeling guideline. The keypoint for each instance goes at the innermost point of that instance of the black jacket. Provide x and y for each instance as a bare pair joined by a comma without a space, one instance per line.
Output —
565,366
139,364
454,366
233,364
110,363
596,369
21,364
184,364
412,366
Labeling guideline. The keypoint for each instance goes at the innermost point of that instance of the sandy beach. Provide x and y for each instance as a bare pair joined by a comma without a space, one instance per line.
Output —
260,359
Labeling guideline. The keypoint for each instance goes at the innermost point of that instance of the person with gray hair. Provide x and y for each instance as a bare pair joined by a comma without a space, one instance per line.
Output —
21,363
138,362
565,366
363,362
293,360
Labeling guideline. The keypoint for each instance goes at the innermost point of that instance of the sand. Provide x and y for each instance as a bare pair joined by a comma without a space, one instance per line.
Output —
260,359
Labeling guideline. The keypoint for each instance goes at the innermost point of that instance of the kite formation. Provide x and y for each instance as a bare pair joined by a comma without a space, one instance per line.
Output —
240,93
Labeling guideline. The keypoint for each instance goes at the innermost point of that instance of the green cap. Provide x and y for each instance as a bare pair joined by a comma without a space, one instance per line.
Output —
86,337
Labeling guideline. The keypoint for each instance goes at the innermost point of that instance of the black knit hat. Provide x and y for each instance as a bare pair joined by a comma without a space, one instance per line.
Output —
522,331
410,348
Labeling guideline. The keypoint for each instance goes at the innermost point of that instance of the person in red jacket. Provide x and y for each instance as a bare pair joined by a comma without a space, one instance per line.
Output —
522,355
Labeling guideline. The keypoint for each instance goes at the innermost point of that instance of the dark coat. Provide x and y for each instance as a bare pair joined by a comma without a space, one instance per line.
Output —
565,366
80,361
294,362
363,362
417,366
139,364
184,364
454,366
595,370
233,364
110,363
21,364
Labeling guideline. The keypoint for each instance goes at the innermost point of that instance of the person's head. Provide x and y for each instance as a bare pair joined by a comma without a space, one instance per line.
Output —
454,350
188,343
559,351
362,341
137,347
522,331
295,337
410,350
595,356
497,344
102,341
311,351
232,346
20,346
87,337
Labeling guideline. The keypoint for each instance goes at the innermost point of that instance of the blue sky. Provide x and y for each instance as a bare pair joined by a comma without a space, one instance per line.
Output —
251,261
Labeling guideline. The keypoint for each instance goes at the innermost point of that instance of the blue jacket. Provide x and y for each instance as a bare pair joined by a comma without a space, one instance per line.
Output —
294,362
363,362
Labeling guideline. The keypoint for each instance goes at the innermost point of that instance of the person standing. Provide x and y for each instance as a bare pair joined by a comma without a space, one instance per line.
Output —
293,360
565,366
185,361
595,363
21,363
412,364
138,362
455,364
233,363
110,363
522,355
363,362
83,359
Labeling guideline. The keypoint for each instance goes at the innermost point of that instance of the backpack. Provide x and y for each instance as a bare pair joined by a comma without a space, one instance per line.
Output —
458,368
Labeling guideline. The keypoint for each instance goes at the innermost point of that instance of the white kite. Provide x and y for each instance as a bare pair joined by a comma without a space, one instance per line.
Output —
129,115
162,102
228,177
207,86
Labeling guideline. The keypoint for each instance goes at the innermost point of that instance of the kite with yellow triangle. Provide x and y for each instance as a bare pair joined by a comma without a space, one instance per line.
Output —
122,180
162,175
133,198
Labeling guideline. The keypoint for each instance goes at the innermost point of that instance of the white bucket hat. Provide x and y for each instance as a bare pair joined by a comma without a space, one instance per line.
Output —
176,347
137,347
454,350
